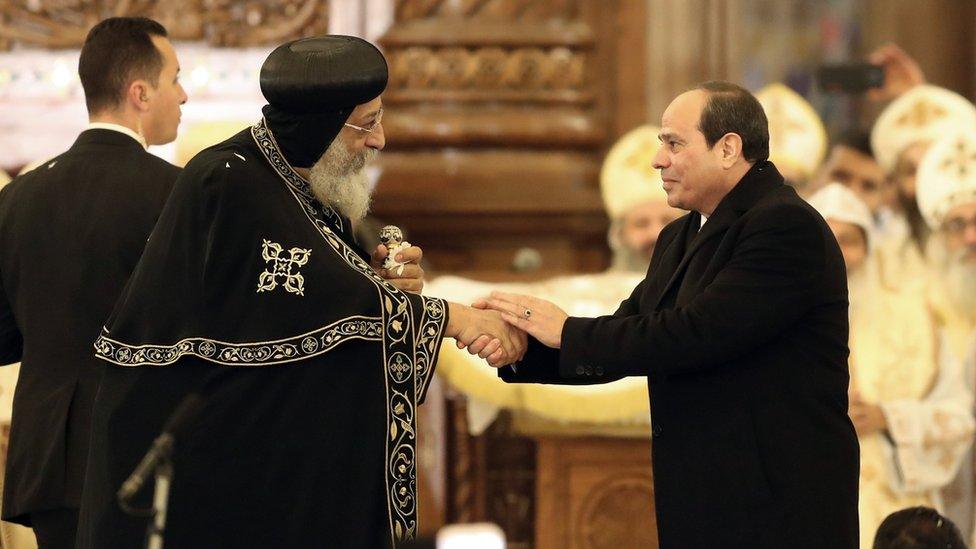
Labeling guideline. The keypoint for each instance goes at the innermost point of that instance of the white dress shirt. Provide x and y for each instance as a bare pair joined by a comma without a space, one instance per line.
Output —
118,128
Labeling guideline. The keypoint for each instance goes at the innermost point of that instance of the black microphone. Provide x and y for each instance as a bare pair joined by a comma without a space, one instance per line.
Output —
177,425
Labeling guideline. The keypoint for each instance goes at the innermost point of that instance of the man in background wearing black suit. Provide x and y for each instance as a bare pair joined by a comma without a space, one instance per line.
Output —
71,231
740,327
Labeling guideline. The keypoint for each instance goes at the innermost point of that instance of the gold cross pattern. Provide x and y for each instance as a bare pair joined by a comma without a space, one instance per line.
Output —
283,266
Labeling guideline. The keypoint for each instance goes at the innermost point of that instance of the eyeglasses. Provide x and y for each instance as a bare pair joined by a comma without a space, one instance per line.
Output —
372,125
957,225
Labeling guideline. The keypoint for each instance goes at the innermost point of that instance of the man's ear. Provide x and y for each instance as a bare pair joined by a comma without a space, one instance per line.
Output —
138,94
730,149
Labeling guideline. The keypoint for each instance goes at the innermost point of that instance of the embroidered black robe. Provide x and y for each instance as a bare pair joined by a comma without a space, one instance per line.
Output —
308,439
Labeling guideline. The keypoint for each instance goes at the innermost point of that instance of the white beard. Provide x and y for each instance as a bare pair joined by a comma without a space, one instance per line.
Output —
339,179
624,259
960,281
859,286
957,274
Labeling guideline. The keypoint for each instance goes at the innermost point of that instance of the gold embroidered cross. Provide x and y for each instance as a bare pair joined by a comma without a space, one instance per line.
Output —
282,266
961,160
921,113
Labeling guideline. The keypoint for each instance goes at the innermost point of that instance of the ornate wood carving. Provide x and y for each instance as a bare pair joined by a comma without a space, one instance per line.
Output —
529,10
611,510
461,482
594,493
498,115
4,442
492,476
510,479
517,75
232,23
237,23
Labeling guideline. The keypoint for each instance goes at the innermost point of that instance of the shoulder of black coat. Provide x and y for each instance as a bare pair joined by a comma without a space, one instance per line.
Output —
163,166
785,207
224,162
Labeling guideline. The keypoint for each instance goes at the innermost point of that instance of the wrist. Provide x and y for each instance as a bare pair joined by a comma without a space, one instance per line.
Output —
456,314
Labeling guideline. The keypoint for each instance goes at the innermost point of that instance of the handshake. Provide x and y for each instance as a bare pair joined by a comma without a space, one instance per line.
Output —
497,327
485,333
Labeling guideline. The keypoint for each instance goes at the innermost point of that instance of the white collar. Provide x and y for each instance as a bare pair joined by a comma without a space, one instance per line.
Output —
118,128
704,218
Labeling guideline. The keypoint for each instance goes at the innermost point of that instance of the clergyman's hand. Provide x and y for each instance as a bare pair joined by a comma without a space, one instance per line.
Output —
868,418
901,72
539,318
485,334
411,279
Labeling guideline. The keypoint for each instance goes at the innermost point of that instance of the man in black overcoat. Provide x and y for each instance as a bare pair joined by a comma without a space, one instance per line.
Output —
741,330
71,231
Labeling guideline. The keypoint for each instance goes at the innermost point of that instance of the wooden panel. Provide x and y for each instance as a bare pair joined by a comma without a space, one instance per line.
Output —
594,493
231,23
689,42
499,114
629,95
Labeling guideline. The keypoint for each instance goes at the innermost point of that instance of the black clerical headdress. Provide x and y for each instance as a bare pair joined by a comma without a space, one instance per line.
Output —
312,86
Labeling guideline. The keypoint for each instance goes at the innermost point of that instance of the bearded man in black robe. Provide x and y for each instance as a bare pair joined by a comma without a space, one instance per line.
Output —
313,363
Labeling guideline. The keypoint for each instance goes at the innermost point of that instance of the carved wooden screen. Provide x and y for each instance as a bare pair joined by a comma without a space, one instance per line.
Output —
231,23
498,115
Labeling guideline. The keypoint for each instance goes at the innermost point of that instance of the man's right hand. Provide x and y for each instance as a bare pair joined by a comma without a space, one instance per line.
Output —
486,334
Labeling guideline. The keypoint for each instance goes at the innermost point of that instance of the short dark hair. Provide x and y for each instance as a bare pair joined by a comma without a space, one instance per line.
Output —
117,51
732,109
918,528
857,139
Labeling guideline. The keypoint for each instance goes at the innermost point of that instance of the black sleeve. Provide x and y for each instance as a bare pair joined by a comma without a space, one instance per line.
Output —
541,365
773,278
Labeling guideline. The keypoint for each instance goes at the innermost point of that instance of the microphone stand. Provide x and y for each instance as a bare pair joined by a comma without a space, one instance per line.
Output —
157,528
163,475
158,461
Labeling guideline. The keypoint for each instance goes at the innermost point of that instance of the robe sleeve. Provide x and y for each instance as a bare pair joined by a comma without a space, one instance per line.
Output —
433,315
929,438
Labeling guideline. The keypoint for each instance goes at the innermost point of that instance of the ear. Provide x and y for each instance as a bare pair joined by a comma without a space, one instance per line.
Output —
730,149
138,95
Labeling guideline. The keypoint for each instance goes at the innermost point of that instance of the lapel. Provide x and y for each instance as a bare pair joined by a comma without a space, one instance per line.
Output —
667,268
758,181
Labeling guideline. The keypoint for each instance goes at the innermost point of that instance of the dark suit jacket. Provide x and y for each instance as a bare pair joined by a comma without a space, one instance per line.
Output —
742,330
71,231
